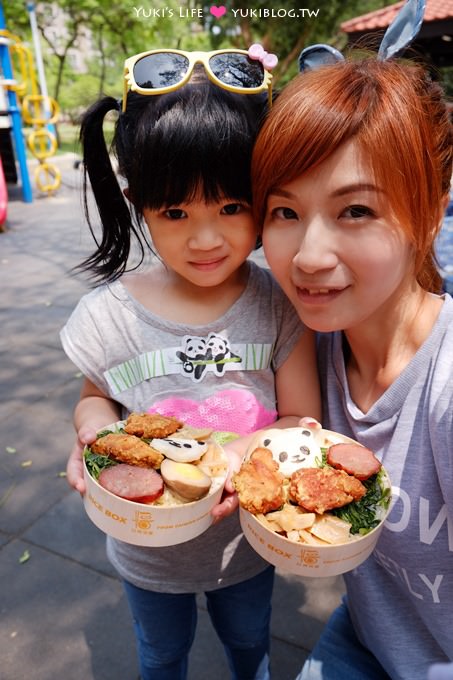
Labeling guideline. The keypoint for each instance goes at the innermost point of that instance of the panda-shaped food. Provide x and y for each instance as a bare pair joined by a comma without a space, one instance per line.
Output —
180,450
292,449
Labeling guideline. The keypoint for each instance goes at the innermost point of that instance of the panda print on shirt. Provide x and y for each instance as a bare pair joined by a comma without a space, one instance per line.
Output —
200,355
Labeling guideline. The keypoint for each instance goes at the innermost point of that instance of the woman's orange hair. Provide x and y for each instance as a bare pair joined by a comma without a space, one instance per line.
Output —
398,117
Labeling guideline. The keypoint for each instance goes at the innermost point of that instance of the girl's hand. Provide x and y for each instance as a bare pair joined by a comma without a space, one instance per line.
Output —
229,501
94,411
74,468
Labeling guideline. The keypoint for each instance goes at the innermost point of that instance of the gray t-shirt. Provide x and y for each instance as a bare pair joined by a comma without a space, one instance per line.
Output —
221,376
401,598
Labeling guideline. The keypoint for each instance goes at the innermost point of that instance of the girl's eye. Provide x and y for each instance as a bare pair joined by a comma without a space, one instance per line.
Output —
285,213
357,211
231,209
175,214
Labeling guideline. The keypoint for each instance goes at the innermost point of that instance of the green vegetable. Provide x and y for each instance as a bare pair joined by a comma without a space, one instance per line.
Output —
96,463
104,433
361,514
322,462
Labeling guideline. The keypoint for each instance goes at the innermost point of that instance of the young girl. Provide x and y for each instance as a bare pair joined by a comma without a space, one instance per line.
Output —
351,177
185,156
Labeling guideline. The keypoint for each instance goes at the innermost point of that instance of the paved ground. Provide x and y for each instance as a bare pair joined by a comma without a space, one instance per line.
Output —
62,611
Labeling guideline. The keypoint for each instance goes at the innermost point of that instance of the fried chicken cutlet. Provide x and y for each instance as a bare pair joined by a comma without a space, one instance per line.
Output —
126,448
151,425
259,483
321,489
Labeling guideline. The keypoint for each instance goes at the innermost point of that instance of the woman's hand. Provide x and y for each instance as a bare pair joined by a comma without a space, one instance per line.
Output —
74,468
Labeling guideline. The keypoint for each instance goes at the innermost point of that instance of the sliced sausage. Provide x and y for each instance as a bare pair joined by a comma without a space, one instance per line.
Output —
354,459
142,485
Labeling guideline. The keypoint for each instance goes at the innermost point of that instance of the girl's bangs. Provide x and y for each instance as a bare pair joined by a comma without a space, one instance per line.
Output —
194,179
200,147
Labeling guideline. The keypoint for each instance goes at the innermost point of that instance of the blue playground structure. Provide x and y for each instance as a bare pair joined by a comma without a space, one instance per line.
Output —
11,125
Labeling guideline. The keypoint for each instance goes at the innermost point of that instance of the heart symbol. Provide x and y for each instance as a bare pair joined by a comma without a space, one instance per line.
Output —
217,12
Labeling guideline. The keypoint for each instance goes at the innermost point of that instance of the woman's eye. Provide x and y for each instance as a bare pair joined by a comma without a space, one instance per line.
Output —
175,214
285,213
232,209
357,211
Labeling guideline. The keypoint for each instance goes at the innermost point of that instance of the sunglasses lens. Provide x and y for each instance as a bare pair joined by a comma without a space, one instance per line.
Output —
237,70
163,69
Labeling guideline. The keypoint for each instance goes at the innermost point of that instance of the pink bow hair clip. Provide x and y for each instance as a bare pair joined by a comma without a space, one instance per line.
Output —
269,61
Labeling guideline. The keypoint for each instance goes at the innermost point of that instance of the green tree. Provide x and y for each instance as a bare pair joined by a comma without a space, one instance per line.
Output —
77,98
115,30
119,29
16,17
287,33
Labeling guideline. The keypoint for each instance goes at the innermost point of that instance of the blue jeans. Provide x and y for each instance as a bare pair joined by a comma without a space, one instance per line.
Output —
338,654
165,628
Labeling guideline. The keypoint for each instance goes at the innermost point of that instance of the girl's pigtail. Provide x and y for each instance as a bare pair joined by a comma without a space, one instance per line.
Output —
110,259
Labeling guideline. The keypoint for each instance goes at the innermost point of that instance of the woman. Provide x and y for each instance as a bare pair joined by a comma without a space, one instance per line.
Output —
351,176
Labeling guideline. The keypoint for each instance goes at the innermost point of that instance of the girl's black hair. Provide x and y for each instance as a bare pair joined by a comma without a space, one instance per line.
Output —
195,142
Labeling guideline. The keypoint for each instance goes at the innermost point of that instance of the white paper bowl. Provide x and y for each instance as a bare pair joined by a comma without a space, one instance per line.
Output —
308,560
148,525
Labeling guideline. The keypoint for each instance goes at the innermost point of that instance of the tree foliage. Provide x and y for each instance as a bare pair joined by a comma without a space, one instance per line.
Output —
287,28
116,30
